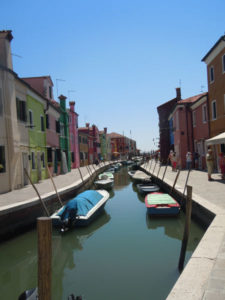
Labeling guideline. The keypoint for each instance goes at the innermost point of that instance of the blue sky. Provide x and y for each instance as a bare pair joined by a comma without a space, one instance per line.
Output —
119,59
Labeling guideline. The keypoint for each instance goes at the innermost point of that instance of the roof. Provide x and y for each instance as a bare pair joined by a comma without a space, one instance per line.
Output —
39,77
115,135
165,103
192,99
222,38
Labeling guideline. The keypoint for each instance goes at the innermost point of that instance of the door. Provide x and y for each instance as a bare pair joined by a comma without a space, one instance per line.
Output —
39,165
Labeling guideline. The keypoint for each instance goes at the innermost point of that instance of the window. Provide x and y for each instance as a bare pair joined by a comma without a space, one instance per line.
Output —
42,124
81,156
72,156
57,126
214,113
31,118
204,113
58,154
47,121
223,63
50,92
21,110
2,159
194,118
211,74
43,159
49,154
33,160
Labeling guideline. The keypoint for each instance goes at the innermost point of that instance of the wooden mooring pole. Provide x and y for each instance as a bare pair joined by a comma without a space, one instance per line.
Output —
158,170
175,181
186,181
44,226
154,167
186,228
150,166
50,175
165,170
39,196
81,175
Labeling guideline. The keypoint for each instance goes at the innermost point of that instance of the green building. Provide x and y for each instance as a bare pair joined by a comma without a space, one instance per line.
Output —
37,136
64,139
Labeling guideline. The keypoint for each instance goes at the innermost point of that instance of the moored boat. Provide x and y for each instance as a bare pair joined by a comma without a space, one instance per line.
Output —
104,183
147,187
81,210
131,173
160,204
108,174
141,176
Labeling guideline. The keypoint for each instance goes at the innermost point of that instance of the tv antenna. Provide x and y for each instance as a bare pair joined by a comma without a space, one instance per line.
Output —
58,79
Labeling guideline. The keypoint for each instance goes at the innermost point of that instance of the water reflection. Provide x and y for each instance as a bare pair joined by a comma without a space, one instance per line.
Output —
174,228
121,179
65,248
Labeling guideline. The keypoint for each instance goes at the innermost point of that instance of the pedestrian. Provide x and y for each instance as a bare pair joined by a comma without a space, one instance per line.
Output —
196,157
170,158
209,163
188,160
174,162
222,164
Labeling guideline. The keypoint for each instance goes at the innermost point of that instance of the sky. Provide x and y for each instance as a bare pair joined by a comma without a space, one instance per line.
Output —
117,59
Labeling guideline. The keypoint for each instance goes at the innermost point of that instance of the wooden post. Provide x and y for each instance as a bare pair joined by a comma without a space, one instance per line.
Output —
50,175
154,167
150,166
88,170
81,175
44,226
165,169
158,170
39,196
175,181
186,228
186,181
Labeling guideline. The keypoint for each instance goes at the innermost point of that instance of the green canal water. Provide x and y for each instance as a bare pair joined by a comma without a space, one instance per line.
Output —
123,254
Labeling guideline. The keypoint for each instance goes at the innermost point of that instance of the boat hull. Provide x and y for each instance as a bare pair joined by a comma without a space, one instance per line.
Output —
159,204
88,218
145,189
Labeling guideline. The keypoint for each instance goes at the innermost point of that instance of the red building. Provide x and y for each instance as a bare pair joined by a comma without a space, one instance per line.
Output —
190,127
122,145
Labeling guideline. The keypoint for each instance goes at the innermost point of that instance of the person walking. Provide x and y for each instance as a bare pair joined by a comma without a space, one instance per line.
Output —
196,157
209,163
188,160
222,164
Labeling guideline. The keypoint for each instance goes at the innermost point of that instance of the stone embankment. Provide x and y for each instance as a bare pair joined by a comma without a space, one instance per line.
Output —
19,209
204,275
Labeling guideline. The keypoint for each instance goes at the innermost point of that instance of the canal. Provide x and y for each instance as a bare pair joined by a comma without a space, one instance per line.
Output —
123,254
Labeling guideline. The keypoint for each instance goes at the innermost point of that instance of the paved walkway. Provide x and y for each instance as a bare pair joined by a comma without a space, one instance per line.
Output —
204,275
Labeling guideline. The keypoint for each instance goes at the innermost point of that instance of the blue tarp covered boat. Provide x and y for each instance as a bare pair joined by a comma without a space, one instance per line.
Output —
81,210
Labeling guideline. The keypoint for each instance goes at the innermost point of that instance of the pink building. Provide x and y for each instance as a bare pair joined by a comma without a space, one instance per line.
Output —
73,129
190,127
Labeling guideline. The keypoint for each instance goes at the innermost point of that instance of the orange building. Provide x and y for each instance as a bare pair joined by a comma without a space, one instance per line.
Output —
215,61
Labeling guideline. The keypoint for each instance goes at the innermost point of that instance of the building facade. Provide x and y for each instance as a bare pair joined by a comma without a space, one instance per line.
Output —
73,129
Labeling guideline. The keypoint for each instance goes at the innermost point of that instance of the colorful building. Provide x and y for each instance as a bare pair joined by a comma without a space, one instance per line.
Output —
122,146
215,61
103,142
190,133
44,86
83,137
64,140
73,129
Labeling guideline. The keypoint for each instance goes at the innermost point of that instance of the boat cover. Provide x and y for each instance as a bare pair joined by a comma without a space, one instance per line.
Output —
154,199
80,205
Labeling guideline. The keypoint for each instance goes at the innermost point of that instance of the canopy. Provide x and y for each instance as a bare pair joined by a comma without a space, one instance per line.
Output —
218,139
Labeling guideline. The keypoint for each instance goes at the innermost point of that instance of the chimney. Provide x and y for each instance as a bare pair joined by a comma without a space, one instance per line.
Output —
105,130
72,105
178,93
5,49
62,100
87,125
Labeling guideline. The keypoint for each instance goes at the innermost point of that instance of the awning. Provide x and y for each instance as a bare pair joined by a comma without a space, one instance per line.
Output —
218,139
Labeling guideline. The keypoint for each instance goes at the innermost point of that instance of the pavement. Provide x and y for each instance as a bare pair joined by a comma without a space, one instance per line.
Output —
204,275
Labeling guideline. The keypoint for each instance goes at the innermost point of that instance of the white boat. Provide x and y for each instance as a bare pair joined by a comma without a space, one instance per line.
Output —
131,173
106,175
141,176
104,183
81,210
146,188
